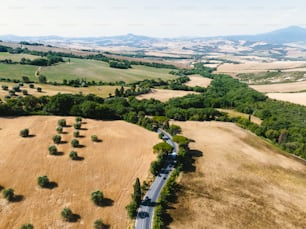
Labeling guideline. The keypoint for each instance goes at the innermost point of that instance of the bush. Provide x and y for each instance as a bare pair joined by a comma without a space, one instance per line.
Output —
62,122
8,194
5,87
31,85
27,226
43,181
67,214
74,143
77,125
98,224
57,139
76,133
52,150
24,133
97,197
74,155
59,130
39,89
25,92
78,119
94,138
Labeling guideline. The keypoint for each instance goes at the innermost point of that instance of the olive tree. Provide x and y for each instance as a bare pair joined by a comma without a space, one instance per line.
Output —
67,214
57,139
59,129
97,197
74,143
76,133
62,122
52,150
98,224
27,226
43,181
77,125
9,194
94,138
24,133
74,155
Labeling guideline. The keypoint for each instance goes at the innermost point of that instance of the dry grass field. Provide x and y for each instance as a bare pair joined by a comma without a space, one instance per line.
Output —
256,66
111,166
233,113
240,182
164,95
281,87
102,91
198,80
298,98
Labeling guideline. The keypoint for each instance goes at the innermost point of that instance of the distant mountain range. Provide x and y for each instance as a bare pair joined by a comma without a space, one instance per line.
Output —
281,36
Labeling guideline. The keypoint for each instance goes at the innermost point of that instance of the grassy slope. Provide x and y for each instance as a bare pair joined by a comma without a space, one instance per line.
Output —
16,57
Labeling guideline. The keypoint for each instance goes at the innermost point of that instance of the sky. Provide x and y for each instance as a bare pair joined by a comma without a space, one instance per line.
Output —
156,18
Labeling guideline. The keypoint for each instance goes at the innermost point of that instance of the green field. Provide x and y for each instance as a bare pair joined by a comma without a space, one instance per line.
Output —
16,57
98,70
82,69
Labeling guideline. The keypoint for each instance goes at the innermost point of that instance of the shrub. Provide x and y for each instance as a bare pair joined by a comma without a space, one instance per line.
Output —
78,119
8,194
27,226
76,133
12,92
43,181
5,87
94,138
24,133
74,155
31,85
97,197
25,92
57,139
74,143
39,89
52,150
62,122
59,130
77,125
98,224
67,214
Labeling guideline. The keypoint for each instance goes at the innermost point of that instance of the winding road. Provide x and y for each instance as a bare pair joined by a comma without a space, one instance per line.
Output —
144,218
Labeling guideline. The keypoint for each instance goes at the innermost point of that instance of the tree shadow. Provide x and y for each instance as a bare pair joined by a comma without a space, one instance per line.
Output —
17,198
74,218
63,142
105,226
1,188
78,158
189,161
31,135
64,132
68,126
82,128
80,146
107,202
98,140
58,154
81,136
52,185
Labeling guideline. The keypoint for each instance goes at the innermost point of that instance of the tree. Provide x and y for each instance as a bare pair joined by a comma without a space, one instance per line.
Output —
98,224
25,92
94,138
42,79
31,86
25,79
59,129
62,122
174,129
27,226
52,150
43,181
74,143
132,209
78,119
24,133
73,155
67,214
77,125
39,89
57,139
8,194
97,197
137,192
76,133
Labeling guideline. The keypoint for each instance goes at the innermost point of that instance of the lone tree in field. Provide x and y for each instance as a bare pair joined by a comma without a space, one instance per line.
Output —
43,181
52,150
94,138
57,139
97,197
62,122
9,194
98,224
27,226
74,155
74,143
24,133
76,133
59,130
77,125
67,214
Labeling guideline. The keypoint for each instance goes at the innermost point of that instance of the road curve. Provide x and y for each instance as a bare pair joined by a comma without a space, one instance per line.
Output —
144,218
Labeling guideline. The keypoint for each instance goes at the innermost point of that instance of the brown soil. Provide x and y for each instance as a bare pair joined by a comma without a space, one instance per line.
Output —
111,166
240,182
198,80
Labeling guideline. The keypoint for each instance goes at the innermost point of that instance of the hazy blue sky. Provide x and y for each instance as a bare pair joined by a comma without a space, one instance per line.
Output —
159,18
